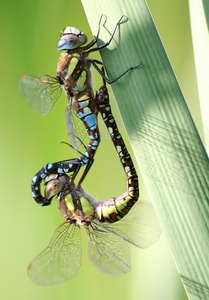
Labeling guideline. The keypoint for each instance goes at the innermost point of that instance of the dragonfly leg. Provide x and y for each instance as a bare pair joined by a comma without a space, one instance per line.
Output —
89,164
110,40
94,63
93,42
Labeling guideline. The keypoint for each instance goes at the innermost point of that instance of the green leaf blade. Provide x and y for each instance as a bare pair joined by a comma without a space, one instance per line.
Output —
164,139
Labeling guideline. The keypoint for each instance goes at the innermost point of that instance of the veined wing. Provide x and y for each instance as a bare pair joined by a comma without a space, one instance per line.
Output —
139,227
75,126
40,92
107,251
61,260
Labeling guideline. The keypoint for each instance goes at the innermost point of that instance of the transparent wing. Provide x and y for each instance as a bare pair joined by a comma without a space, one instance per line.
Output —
61,259
40,92
139,227
76,129
107,251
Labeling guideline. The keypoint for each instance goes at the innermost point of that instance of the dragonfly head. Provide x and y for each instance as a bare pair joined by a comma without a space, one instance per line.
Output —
71,38
54,184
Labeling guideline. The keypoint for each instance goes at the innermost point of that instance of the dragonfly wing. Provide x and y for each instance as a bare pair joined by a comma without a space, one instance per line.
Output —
139,227
107,251
75,126
61,259
40,92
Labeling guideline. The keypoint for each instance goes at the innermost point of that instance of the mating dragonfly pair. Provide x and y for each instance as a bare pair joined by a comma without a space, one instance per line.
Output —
107,229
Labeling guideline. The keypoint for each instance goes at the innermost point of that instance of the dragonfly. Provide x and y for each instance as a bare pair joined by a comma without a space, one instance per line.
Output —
110,224
73,75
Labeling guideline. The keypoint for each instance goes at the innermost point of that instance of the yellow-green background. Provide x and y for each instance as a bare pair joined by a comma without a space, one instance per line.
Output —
29,32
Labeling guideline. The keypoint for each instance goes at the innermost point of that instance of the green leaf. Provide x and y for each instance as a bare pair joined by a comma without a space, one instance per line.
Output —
164,139
199,16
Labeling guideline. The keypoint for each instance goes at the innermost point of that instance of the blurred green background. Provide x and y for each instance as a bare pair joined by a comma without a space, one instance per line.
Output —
29,33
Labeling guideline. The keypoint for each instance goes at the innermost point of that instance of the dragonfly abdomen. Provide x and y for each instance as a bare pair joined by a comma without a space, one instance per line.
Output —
114,209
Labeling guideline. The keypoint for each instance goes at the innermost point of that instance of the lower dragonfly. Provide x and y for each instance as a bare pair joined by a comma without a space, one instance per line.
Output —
74,77
109,224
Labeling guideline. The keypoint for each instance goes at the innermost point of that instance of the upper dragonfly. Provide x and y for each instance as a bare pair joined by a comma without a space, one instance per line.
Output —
74,77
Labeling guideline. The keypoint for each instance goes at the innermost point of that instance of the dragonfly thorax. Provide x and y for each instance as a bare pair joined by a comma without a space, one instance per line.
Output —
75,206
